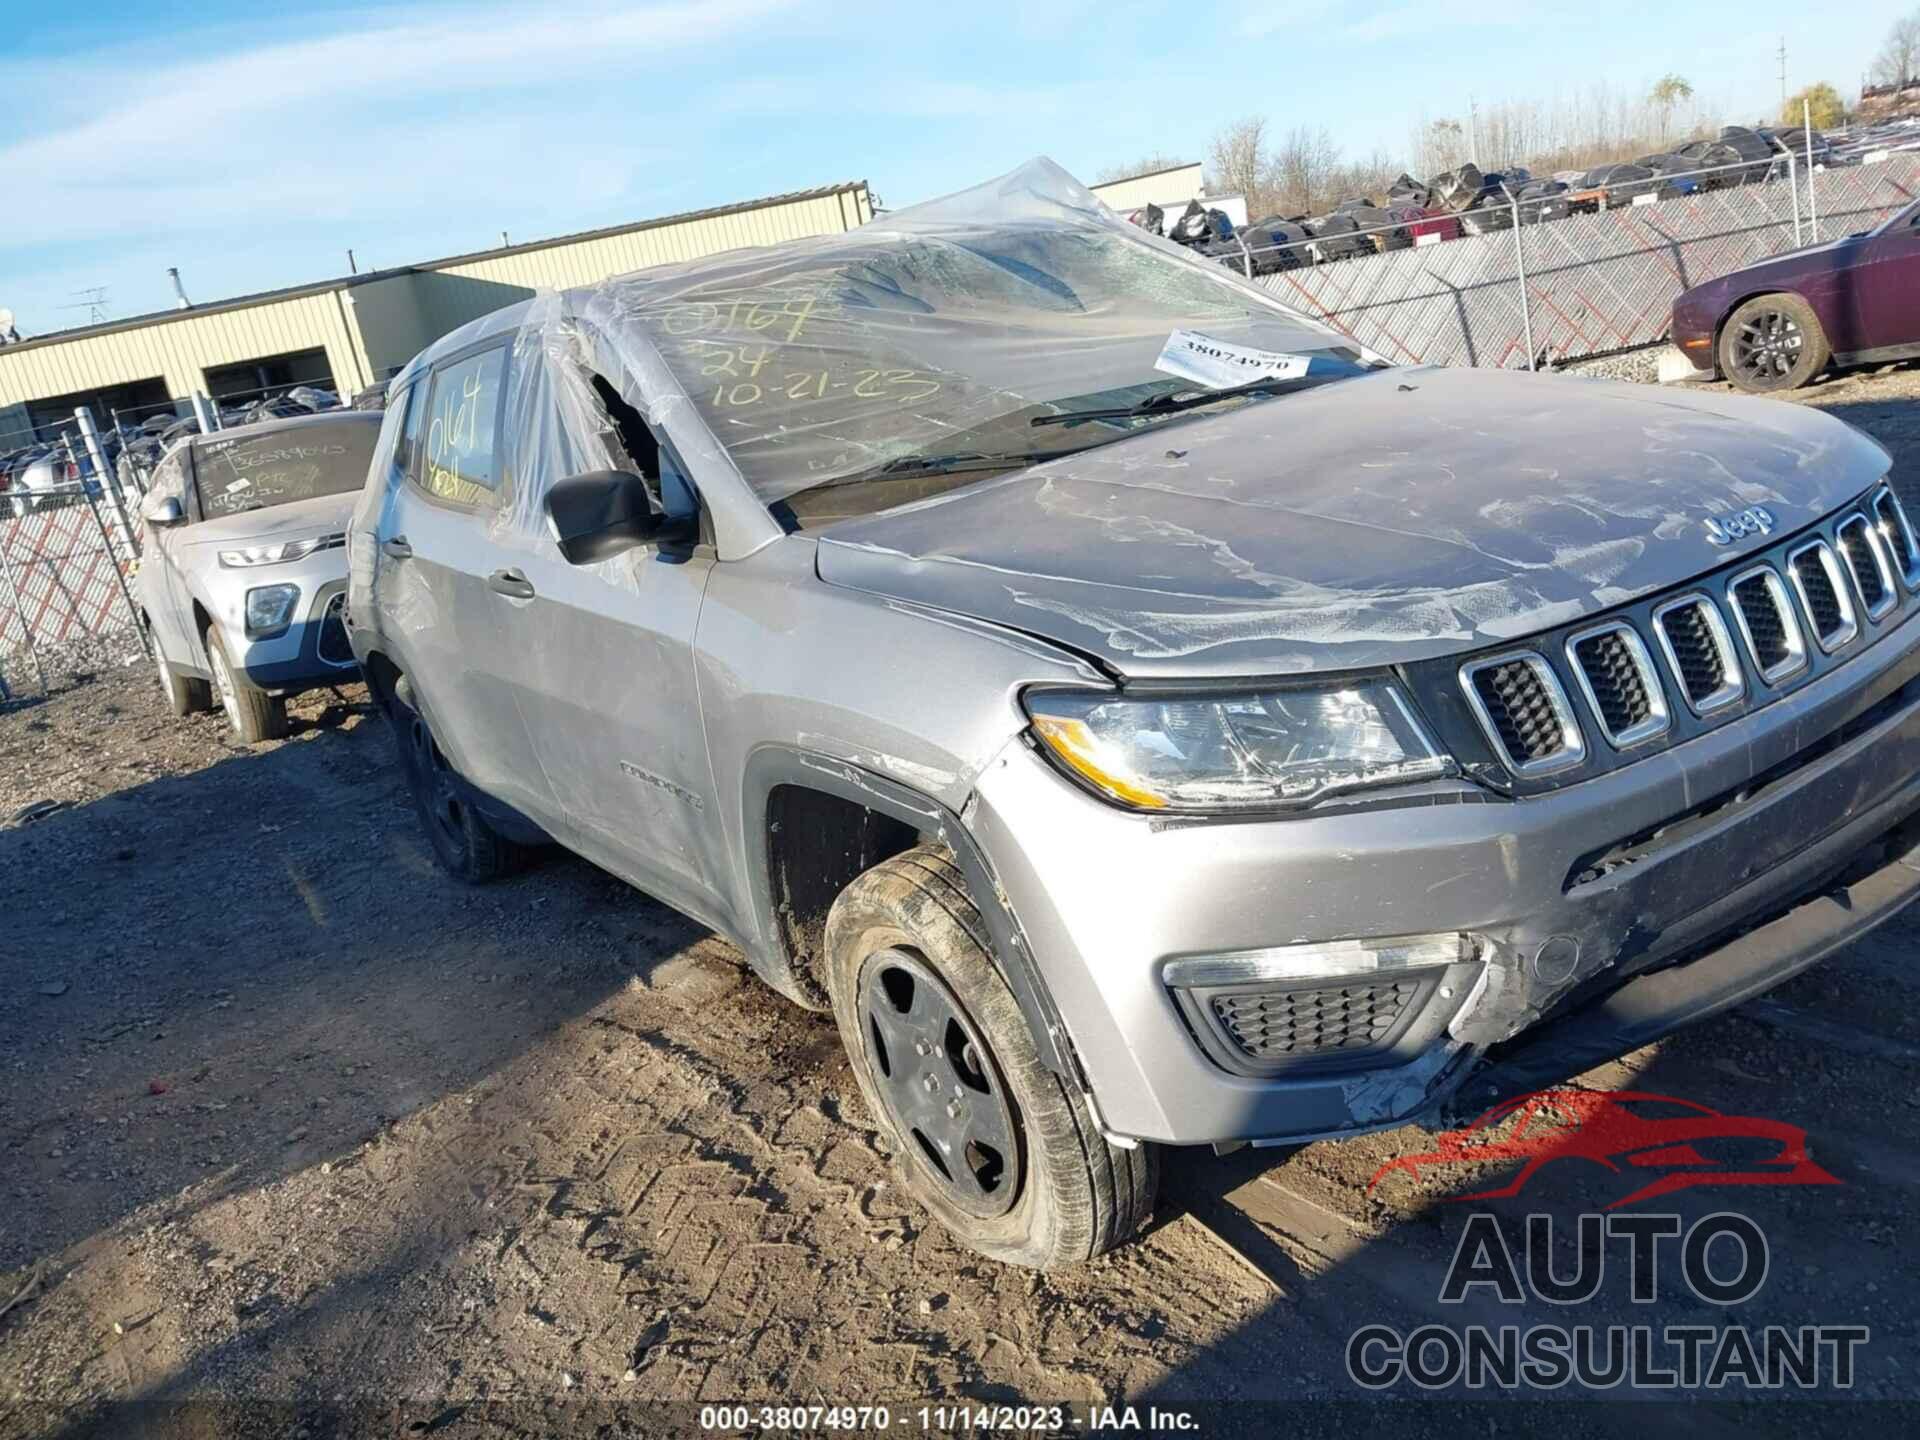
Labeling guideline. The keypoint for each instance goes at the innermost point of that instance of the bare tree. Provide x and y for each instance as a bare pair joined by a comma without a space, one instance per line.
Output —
1899,59
1145,165
1237,161
1298,179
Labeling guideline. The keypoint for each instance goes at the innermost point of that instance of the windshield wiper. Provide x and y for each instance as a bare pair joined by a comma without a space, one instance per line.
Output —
1178,400
906,465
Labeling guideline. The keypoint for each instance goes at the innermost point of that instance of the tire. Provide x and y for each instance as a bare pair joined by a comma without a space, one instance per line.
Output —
184,694
1772,343
1061,1193
465,845
252,714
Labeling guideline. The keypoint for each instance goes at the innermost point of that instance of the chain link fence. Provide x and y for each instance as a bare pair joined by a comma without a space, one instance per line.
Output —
68,550
1528,294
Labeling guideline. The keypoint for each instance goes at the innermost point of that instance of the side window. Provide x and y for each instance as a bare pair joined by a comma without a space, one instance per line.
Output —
459,430
650,459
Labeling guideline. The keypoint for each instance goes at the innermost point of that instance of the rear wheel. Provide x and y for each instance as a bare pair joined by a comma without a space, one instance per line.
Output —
467,847
1772,342
1005,1155
252,714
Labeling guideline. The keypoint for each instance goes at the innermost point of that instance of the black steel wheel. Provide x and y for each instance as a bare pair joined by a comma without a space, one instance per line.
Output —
940,1083
465,844
1002,1150
441,805
1772,342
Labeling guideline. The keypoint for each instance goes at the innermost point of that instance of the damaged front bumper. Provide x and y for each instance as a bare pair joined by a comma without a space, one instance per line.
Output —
1599,916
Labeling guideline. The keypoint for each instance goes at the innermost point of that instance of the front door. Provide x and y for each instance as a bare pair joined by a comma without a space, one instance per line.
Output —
602,658
1886,285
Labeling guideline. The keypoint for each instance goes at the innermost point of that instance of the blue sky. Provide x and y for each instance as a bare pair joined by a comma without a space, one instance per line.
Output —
252,152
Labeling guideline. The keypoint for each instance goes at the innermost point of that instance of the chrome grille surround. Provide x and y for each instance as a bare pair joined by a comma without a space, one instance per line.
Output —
1821,554
1658,719
1782,604
1573,747
1853,534
1897,535
1732,683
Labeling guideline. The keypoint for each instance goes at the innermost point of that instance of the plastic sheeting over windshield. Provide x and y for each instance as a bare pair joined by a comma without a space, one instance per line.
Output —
934,330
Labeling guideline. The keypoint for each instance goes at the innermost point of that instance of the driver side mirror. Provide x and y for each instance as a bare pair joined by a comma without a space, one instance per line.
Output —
166,512
601,513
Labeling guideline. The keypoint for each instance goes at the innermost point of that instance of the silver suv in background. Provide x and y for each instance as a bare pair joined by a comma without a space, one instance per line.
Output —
243,572
1139,717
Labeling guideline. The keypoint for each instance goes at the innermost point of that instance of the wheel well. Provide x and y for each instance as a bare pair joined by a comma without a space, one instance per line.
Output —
202,622
383,677
817,845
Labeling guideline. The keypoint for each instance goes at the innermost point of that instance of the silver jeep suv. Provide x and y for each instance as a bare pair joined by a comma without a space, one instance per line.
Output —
1141,717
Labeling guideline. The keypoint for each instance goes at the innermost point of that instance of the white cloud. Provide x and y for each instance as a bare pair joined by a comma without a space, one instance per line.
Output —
304,126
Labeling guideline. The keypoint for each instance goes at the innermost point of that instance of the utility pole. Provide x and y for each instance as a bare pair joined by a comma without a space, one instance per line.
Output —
1783,74
1473,130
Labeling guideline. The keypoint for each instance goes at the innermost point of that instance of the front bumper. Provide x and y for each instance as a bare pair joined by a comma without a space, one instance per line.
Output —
315,650
1693,334
1770,809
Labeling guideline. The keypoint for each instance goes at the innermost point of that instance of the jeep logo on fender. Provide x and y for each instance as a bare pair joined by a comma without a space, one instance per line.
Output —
1754,520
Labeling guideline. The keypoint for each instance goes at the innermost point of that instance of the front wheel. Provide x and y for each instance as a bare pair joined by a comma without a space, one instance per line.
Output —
184,694
1005,1155
1772,343
252,714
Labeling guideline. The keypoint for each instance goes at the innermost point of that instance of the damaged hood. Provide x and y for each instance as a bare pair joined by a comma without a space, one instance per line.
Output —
1383,520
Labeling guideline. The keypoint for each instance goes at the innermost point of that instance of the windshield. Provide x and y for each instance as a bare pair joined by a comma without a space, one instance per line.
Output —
941,332
1900,219
238,472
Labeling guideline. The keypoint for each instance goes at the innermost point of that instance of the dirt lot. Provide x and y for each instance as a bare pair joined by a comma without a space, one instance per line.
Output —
298,1137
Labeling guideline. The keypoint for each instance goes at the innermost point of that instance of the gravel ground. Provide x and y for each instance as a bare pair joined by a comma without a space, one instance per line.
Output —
298,1137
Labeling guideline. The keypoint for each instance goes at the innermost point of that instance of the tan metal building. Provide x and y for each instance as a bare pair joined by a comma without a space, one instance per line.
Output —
349,332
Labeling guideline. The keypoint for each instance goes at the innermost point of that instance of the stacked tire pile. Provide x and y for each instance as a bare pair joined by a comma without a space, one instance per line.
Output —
134,450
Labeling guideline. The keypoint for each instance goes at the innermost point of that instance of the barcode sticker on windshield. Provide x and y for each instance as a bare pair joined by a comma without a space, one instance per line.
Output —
1217,364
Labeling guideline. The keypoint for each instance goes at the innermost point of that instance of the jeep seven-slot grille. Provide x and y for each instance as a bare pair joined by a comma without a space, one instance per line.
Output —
1521,706
1766,622
1832,623
1854,576
1284,1024
1693,644
1615,681
1856,543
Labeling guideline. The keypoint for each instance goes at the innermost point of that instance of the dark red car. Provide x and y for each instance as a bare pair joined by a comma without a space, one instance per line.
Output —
1677,1143
1775,325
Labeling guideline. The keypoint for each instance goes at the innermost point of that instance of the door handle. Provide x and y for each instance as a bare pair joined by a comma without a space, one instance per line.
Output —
397,548
510,583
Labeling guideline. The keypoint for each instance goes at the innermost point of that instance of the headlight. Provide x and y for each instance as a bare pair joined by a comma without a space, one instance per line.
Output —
1237,752
250,555
270,610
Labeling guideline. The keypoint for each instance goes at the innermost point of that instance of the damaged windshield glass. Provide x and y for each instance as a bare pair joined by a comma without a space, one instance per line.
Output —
944,331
